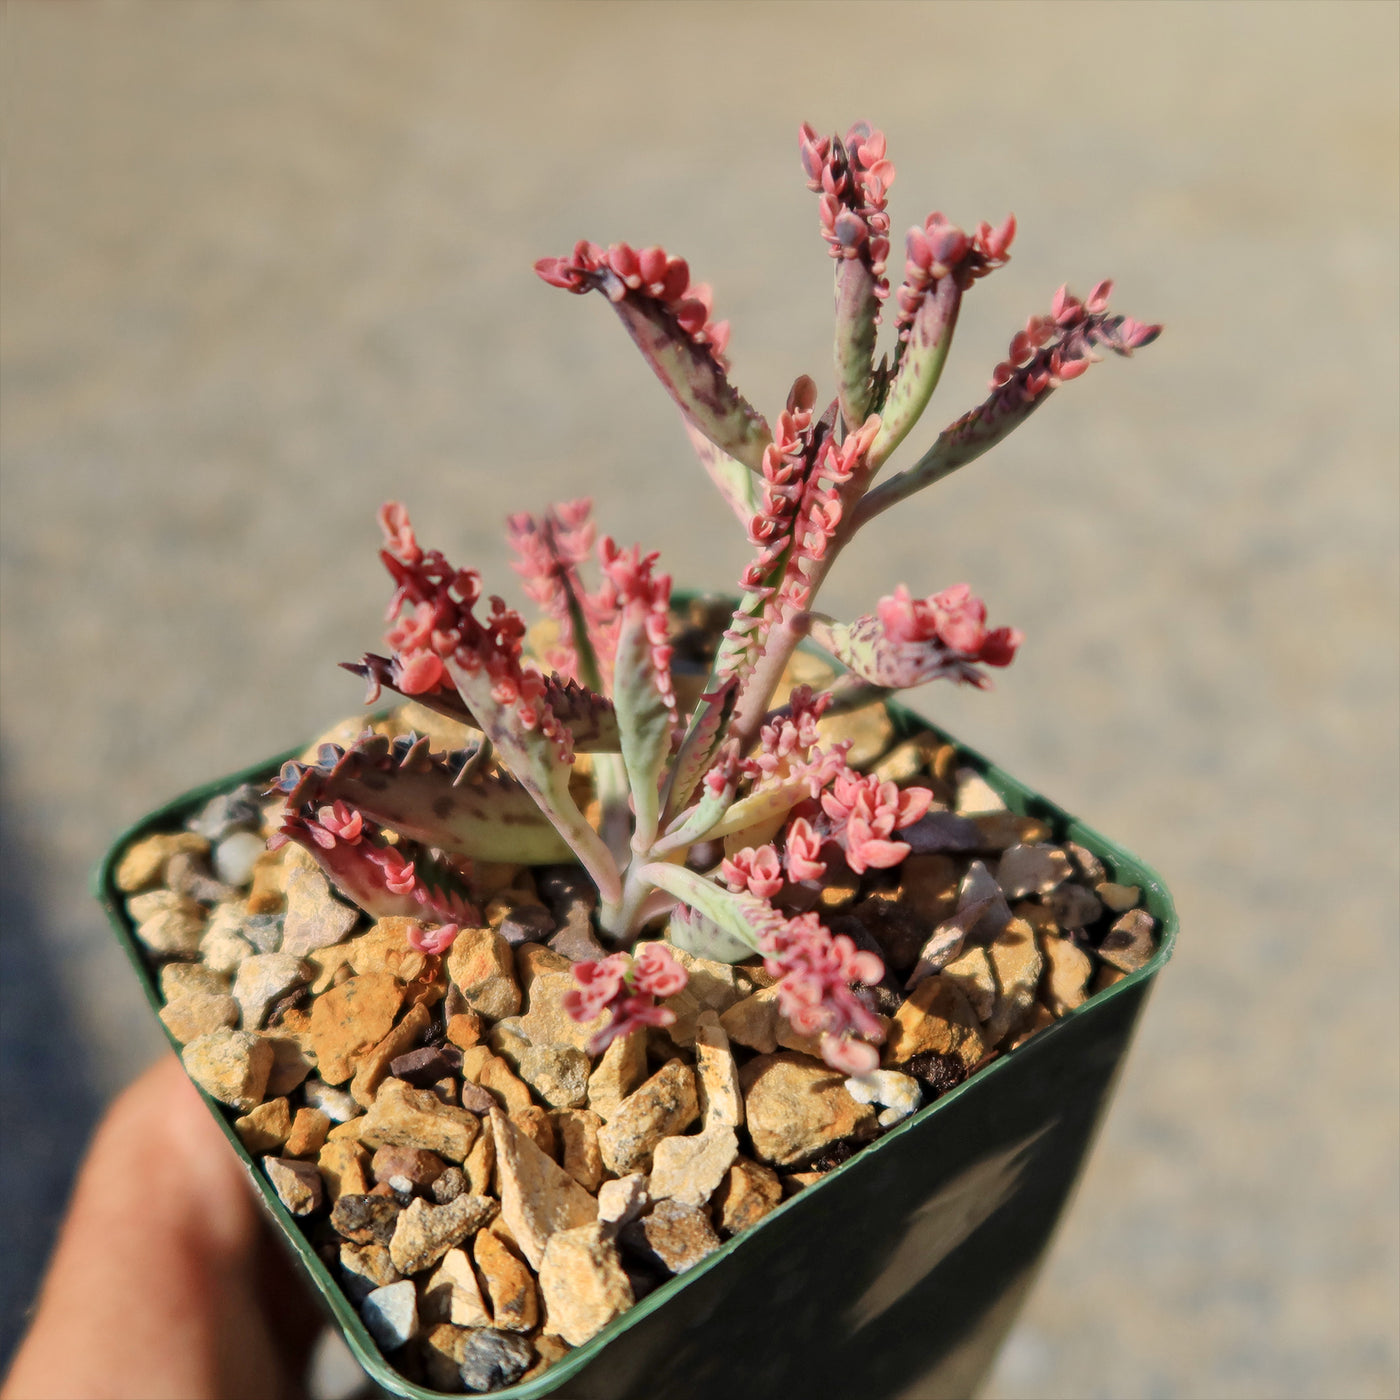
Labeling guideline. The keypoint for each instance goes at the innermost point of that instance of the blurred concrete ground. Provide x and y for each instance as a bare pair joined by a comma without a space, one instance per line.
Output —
264,266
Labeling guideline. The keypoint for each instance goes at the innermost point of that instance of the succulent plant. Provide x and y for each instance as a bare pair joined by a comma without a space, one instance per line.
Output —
716,824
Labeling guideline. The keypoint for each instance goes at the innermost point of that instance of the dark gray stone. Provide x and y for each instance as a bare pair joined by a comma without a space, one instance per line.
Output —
492,1359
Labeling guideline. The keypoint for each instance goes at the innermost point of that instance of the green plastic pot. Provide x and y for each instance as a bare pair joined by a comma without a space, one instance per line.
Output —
896,1274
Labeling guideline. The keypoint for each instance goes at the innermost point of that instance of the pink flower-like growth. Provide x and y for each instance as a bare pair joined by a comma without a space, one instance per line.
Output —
756,869
815,970
637,589
802,851
788,739
865,813
551,549
954,618
433,622
770,530
1054,349
433,941
649,273
628,986
853,178
941,249
820,512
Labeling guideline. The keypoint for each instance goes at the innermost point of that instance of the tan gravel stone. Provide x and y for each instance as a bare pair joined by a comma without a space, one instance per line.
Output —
1118,898
757,1023
509,1285
1128,943
199,1013
533,959
365,1267
373,1068
622,1200
999,831
908,759
143,863
308,1134
407,1117
348,1019
936,1017
538,1196
557,1073
315,918
483,970
972,975
266,1127
298,1184
384,947
545,1021
717,1076
480,1166
406,1168
1032,869
504,1085
582,1283
1074,907
231,1066
292,1056
167,923
262,979
1017,963
622,1068
425,1233
748,1192
690,1169
535,1123
189,979
869,730
1067,972
576,1130
344,1169
269,879
976,795
710,986
453,1294
930,884
796,1106
549,1351
665,1104
222,946
464,1029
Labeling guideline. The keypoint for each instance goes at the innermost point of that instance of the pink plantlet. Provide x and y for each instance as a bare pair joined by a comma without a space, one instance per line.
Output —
866,812
802,853
760,871
435,941
815,970
628,987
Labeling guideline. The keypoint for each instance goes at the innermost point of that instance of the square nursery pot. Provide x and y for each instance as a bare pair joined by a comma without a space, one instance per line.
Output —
896,1274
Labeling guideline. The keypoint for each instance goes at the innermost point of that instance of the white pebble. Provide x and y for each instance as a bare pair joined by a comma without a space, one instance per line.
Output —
391,1314
235,855
901,1094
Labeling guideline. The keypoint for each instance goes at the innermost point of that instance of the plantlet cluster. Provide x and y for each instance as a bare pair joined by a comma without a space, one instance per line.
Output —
719,824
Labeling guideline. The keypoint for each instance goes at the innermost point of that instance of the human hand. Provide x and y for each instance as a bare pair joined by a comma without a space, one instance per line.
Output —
166,1282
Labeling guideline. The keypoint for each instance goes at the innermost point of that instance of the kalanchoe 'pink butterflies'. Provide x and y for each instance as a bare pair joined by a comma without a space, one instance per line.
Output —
713,820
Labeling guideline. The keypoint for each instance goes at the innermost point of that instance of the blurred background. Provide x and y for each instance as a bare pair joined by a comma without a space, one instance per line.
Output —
265,266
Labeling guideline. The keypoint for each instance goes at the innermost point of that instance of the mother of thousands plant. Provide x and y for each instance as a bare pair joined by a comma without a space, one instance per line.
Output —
396,827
